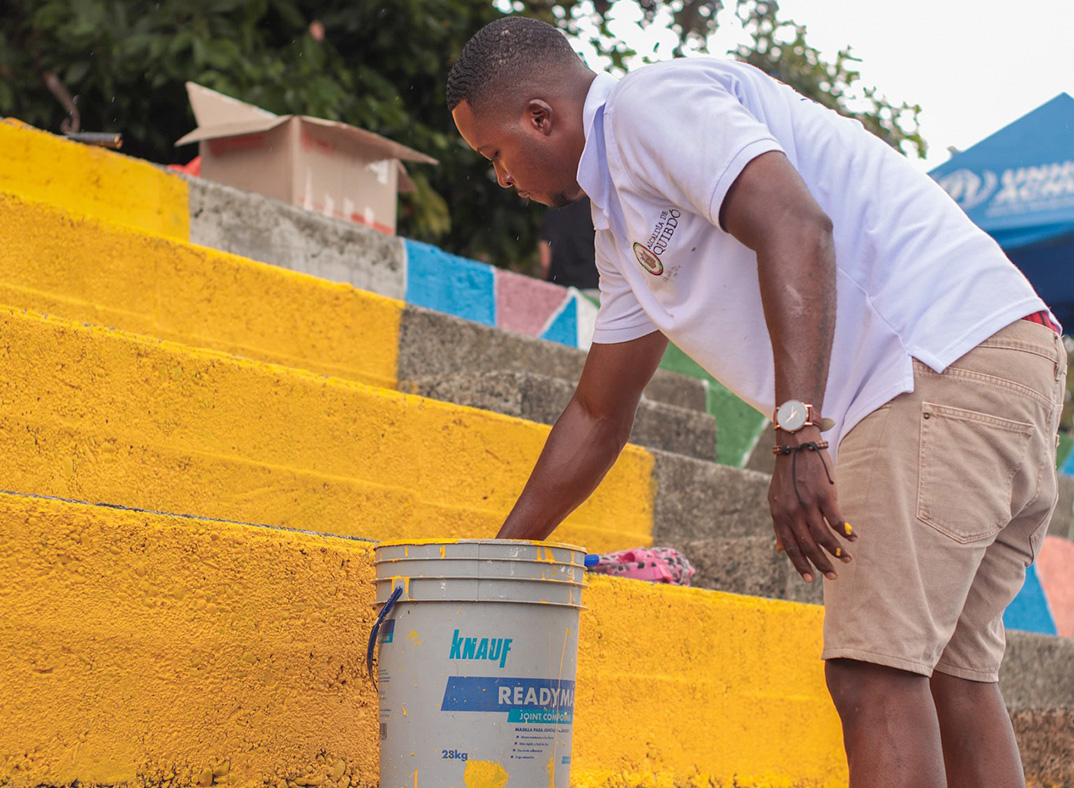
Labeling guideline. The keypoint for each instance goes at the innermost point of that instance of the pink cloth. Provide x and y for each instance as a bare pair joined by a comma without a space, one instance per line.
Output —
653,564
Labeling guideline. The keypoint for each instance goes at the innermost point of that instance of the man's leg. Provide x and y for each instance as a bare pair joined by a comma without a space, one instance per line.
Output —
929,482
979,747
890,730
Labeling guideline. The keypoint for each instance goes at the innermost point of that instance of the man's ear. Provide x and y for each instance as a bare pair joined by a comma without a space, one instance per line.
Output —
539,116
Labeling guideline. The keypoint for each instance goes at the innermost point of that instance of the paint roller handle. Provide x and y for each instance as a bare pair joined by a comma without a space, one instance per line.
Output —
383,614
591,559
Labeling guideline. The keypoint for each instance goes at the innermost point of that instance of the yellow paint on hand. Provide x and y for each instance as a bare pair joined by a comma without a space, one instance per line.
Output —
93,182
484,774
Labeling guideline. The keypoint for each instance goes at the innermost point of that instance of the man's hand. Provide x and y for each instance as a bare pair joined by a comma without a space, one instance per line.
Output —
805,507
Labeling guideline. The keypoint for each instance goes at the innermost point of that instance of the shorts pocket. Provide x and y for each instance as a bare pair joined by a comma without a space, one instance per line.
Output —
967,464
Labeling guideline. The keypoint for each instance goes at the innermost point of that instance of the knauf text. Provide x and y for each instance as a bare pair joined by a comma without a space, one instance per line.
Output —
492,649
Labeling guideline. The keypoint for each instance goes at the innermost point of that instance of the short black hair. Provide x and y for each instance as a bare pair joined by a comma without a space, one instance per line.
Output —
511,51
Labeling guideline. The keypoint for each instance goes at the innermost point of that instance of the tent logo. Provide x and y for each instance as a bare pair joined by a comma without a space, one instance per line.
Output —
969,189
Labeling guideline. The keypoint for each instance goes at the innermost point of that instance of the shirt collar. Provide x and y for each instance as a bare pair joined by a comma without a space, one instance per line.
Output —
593,165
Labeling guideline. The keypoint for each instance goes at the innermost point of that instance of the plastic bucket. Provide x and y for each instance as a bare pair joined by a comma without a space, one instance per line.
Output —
478,651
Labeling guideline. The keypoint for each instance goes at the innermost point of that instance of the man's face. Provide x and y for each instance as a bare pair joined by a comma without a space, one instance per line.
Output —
527,152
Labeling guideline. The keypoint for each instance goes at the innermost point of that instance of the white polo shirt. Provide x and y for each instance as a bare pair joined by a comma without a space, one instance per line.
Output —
914,276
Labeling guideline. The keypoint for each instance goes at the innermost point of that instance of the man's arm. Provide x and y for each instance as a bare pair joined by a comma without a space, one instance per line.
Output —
770,210
587,437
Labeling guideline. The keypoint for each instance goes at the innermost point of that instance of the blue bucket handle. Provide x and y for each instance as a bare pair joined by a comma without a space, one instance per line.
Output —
383,614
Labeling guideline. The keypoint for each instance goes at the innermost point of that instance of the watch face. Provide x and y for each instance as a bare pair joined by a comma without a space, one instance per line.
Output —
791,415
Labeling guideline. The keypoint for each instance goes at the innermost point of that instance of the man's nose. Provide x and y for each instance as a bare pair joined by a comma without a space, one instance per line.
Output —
502,177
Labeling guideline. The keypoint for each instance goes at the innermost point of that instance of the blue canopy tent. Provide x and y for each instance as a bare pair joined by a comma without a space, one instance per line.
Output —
1018,186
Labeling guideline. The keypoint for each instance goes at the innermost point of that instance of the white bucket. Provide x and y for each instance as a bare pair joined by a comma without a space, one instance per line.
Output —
477,662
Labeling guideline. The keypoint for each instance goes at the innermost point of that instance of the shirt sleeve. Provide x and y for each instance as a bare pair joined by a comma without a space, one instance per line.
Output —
620,317
685,137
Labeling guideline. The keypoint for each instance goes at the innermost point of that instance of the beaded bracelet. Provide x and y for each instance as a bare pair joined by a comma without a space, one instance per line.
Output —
783,451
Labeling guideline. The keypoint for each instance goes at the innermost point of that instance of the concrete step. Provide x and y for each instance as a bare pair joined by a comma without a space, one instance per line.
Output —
746,565
1046,746
89,437
1037,680
97,272
432,345
698,500
270,231
101,415
94,271
541,398
718,517
235,654
108,608
92,182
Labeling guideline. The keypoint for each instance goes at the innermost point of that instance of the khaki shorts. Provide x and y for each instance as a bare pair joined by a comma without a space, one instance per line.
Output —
950,489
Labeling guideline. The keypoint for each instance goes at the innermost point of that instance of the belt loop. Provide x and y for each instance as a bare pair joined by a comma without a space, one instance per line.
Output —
1060,356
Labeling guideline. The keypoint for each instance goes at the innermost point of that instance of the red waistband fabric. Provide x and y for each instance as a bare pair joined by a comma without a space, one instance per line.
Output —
1044,318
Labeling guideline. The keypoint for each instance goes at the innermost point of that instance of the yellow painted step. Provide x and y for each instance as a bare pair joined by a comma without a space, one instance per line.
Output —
98,272
93,182
103,416
145,649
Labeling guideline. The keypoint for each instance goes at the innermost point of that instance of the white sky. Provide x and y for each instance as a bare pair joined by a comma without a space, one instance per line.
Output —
973,65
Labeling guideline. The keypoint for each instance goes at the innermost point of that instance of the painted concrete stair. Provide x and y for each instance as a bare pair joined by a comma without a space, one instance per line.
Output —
158,650
104,416
433,345
162,650
541,398
98,272
427,336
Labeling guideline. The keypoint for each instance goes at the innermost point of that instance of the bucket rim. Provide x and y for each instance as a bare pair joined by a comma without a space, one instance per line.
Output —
438,578
427,542
488,560
455,601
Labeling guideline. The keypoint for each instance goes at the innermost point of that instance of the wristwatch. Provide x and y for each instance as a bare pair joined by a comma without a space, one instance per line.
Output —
794,415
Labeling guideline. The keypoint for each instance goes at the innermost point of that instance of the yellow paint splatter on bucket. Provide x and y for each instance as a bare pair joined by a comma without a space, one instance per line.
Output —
485,774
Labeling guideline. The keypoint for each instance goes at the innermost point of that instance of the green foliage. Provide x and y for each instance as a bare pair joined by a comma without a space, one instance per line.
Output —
378,65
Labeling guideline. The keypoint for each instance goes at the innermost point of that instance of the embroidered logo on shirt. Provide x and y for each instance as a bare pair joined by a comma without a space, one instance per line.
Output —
649,261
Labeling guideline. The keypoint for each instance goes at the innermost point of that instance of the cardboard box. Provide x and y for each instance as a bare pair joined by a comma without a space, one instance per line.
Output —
320,165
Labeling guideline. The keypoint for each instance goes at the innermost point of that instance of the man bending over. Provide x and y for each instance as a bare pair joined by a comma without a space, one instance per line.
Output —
813,271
